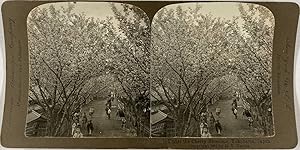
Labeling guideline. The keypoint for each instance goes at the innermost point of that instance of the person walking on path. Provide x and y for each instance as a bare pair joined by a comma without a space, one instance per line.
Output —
90,127
250,121
123,125
234,103
77,133
234,108
235,112
108,103
91,111
108,111
218,111
218,127
249,117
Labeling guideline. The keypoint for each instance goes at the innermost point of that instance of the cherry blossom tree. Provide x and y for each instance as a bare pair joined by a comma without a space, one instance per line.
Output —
66,53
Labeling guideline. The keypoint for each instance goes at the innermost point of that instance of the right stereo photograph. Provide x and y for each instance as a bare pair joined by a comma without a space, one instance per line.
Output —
211,71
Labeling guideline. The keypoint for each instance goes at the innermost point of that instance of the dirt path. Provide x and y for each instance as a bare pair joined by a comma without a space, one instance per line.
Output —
104,127
231,127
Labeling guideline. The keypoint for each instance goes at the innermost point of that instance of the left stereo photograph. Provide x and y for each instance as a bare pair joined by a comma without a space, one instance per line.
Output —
89,70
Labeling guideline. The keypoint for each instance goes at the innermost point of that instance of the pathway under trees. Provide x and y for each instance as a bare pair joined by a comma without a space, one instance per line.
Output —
231,127
104,127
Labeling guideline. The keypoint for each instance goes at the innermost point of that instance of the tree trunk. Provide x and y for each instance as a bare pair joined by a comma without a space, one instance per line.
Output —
187,124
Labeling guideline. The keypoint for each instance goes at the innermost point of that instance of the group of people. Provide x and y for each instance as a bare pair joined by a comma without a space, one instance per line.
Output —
209,120
108,107
80,121
120,113
245,113
216,120
234,108
83,121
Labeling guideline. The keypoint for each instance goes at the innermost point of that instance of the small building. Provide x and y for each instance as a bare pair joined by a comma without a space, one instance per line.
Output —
162,125
157,107
37,108
35,124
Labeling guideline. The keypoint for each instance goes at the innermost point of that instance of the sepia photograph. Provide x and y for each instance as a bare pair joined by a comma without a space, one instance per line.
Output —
149,74
98,69
211,70
89,70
